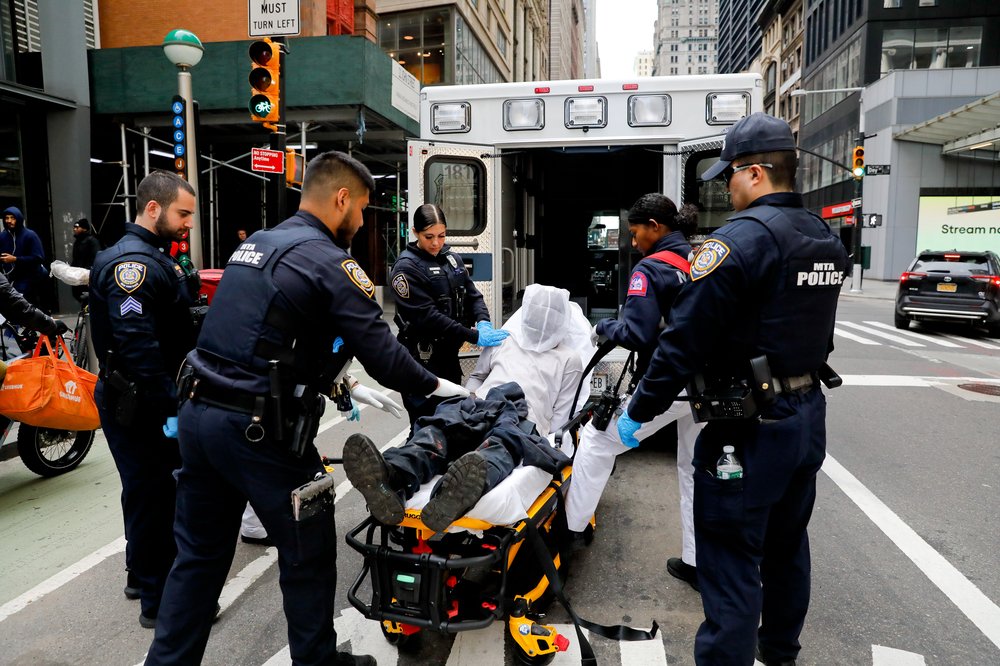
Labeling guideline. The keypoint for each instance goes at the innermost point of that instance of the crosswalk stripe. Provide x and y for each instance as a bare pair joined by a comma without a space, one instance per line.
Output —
651,652
856,338
888,336
886,656
914,334
971,341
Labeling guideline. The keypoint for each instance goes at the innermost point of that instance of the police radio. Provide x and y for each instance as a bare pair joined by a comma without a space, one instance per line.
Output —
727,398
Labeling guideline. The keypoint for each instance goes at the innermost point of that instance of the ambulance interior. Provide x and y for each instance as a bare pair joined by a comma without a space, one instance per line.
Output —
564,218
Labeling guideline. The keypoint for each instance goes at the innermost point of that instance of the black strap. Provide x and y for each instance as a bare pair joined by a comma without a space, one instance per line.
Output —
601,352
617,632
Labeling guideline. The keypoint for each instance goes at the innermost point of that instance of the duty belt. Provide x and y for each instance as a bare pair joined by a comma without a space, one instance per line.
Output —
794,384
234,401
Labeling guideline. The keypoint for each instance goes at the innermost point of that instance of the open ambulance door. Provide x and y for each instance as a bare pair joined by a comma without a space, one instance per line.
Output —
461,178
712,198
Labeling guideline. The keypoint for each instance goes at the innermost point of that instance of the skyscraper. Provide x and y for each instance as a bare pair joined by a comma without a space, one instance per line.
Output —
685,37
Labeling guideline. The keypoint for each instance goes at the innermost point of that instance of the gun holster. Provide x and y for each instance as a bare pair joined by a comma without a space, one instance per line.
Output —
123,399
309,407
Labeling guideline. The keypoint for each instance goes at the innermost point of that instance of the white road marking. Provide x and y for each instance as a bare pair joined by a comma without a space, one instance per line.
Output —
913,334
971,341
365,637
239,583
886,381
967,597
887,656
888,336
856,338
61,578
483,647
572,655
284,657
648,653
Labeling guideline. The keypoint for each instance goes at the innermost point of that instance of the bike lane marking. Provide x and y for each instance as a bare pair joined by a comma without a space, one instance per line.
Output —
967,597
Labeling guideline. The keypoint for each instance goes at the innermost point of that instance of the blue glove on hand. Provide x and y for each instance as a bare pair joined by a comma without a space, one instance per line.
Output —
489,336
338,342
627,427
354,414
170,427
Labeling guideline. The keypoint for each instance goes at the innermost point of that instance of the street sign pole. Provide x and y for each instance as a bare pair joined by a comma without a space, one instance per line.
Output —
856,273
276,192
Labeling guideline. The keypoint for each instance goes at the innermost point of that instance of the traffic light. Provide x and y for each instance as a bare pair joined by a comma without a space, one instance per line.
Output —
264,79
295,167
858,162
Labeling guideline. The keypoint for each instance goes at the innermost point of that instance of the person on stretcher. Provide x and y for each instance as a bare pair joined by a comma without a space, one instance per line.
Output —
522,389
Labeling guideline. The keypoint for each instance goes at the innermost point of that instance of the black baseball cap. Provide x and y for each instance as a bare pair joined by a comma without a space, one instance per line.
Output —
757,133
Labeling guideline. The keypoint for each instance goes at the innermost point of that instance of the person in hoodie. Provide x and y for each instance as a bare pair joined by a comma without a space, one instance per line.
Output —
660,232
476,442
21,255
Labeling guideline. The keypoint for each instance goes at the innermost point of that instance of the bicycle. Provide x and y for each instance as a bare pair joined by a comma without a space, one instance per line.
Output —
46,451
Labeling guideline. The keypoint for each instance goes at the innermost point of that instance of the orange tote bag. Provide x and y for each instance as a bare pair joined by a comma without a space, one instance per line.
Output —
50,392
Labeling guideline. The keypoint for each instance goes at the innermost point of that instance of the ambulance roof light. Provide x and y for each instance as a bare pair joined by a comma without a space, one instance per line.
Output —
649,110
725,108
451,117
586,112
523,114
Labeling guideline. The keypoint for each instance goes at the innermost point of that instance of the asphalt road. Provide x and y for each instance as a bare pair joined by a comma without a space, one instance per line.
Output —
904,535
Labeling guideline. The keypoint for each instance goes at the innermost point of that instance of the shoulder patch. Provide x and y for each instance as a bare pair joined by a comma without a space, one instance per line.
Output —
637,284
129,275
401,286
358,277
711,254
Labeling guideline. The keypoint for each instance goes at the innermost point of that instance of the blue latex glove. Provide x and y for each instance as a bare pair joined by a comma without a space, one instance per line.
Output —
627,427
489,336
354,414
170,427
338,342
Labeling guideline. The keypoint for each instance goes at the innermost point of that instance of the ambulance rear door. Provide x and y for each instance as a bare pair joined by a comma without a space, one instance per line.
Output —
712,197
461,178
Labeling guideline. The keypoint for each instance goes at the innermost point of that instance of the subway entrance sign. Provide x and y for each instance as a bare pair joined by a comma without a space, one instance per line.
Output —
267,161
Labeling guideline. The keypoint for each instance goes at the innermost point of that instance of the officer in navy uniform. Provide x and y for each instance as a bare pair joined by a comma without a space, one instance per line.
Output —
142,327
766,284
436,305
291,310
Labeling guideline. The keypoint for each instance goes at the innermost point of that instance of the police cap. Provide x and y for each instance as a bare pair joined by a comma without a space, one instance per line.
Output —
754,134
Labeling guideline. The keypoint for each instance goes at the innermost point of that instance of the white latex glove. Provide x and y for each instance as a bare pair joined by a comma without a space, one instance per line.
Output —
594,337
446,389
361,393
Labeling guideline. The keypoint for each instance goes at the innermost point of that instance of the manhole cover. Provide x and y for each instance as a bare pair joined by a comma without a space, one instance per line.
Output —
985,389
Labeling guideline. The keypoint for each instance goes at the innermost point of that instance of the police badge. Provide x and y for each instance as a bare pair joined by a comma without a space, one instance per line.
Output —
401,286
129,275
711,254
358,277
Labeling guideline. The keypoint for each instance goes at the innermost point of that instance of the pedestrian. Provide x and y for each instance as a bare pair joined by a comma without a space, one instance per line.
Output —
21,256
290,312
85,248
764,285
438,308
142,327
660,232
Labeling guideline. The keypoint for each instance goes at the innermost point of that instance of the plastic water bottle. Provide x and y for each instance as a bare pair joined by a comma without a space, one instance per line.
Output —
729,466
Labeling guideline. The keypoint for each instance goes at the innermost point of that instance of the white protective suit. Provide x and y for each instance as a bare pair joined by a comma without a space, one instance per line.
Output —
539,355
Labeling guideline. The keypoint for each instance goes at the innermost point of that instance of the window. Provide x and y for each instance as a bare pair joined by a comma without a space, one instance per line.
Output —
458,186
931,48
963,46
892,4
418,41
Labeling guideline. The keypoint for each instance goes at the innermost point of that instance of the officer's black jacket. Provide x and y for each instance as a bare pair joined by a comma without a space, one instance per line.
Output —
14,307
139,308
653,287
323,293
423,285
717,320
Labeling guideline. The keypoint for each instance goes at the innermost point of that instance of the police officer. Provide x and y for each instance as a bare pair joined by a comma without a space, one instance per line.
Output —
436,305
659,231
290,311
766,284
139,313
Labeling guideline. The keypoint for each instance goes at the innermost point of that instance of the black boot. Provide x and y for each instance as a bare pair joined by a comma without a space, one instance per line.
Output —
367,471
459,490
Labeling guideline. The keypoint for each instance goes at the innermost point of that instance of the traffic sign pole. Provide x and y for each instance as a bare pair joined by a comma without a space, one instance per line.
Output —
279,139
191,149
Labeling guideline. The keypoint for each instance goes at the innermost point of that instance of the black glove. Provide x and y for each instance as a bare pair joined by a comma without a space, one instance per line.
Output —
60,327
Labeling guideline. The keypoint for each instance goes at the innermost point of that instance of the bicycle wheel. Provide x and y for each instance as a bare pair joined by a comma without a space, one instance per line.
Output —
49,452
80,342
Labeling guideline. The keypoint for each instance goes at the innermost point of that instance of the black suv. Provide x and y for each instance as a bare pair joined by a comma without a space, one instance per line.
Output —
951,286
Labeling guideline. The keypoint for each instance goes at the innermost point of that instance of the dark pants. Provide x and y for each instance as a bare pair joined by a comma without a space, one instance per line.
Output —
750,534
221,470
146,461
443,363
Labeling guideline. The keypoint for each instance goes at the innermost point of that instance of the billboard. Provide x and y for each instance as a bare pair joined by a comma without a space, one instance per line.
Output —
959,223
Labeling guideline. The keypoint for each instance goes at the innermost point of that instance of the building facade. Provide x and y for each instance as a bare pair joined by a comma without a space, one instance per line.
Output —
685,37
780,60
568,25
739,35
643,63
470,41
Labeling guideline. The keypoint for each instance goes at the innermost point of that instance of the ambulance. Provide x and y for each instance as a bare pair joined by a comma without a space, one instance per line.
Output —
535,178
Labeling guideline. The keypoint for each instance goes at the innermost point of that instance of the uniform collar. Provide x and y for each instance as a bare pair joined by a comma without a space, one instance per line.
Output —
780,199
162,244
439,258
674,242
315,222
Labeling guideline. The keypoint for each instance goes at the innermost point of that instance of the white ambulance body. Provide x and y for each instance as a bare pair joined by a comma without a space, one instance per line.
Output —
535,178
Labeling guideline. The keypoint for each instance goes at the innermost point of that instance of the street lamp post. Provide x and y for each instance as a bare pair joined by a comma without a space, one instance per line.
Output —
858,183
184,49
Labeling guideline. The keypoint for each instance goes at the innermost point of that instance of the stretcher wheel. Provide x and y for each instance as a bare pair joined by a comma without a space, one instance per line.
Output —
536,660
403,642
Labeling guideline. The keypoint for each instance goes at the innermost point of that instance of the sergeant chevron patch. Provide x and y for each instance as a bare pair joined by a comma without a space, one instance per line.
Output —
131,305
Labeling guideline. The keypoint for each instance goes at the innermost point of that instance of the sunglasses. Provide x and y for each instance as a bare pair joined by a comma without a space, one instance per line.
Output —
732,171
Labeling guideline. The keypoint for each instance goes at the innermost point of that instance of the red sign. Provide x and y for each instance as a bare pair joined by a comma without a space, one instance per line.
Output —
267,161
837,210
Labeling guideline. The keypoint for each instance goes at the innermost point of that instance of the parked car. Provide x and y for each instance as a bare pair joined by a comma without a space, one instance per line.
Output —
951,285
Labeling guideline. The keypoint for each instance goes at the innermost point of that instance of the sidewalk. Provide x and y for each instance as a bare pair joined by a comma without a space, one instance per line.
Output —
884,290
